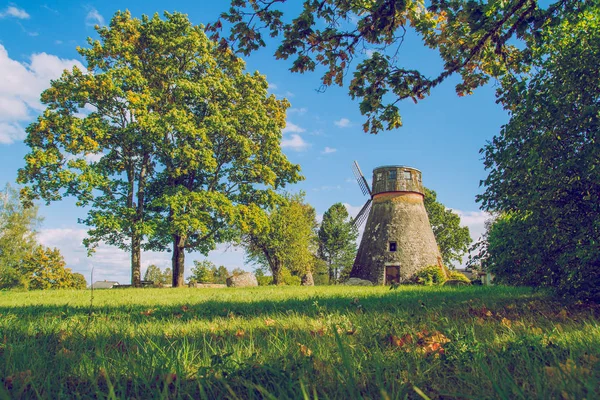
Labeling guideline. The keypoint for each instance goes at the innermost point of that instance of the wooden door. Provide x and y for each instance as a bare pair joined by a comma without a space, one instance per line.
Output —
392,274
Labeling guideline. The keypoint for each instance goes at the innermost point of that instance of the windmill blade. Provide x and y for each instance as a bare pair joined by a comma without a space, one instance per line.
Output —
362,214
362,182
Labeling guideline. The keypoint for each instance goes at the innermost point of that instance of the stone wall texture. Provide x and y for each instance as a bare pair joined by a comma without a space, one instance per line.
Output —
399,217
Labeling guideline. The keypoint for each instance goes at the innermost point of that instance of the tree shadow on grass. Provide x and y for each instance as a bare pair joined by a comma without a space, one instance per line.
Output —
411,302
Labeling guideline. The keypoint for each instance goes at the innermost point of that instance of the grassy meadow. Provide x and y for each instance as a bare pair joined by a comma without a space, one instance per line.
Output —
298,342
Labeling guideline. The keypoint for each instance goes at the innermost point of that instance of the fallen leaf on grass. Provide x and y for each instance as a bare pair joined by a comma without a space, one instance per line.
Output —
19,378
269,322
147,312
569,368
506,322
400,342
482,312
536,330
184,308
305,350
65,352
319,332
562,315
590,359
240,333
437,337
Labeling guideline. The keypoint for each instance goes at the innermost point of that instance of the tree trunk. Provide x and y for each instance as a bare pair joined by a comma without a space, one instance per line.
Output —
136,237
275,266
276,271
331,276
135,260
178,260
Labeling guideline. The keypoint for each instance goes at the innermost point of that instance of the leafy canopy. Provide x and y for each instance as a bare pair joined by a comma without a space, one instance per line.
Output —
544,170
288,241
164,137
475,40
452,239
337,242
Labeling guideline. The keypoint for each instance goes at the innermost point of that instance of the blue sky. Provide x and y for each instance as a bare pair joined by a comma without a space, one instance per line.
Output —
441,135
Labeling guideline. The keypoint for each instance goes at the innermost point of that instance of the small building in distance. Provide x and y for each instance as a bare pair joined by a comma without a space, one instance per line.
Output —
104,284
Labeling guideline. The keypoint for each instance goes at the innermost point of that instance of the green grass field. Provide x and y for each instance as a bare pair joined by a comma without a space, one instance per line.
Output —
297,342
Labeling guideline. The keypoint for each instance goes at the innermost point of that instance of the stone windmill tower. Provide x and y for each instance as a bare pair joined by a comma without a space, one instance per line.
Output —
398,240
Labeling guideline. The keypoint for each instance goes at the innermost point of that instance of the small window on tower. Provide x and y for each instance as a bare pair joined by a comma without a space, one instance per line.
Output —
392,246
419,178
379,176
407,175
392,175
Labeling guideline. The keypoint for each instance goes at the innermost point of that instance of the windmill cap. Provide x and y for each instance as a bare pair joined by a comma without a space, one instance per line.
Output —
396,166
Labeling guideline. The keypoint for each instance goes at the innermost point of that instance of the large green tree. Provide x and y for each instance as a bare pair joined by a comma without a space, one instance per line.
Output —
24,262
476,40
222,157
452,239
288,241
17,236
544,170
337,242
45,268
180,145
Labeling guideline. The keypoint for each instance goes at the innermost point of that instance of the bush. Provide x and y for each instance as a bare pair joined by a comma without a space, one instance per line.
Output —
457,276
288,279
431,276
264,280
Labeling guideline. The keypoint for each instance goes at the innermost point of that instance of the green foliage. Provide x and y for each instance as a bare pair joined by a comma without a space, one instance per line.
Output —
288,279
79,281
431,276
544,170
320,272
203,272
263,280
154,274
23,262
17,236
220,275
475,40
452,239
184,144
457,276
498,343
337,242
287,242
44,268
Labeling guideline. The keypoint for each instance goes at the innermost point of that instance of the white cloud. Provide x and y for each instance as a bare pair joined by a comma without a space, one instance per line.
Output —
93,18
299,111
289,94
12,11
272,86
343,123
10,132
475,220
352,210
294,142
369,53
21,87
328,150
292,128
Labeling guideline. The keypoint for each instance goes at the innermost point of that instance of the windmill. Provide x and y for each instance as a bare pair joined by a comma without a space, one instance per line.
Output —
397,241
